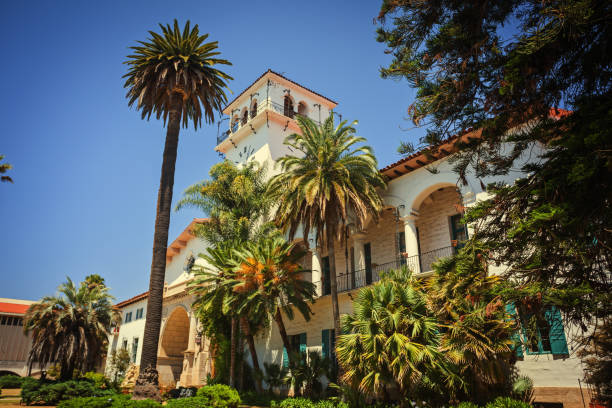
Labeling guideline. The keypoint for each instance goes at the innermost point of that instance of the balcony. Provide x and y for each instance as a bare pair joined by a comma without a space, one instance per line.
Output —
358,279
265,105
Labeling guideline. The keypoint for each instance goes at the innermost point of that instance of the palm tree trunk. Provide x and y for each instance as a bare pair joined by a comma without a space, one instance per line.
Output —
147,384
333,282
251,342
233,338
278,318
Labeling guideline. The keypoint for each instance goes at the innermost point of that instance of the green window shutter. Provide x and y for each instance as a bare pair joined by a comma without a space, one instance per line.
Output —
558,343
302,343
518,348
325,343
285,358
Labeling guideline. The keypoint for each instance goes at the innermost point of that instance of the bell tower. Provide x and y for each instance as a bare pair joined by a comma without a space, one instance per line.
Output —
263,115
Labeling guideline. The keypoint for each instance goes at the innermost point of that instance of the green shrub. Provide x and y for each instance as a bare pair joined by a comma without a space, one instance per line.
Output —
115,401
301,402
99,380
505,402
50,393
11,381
190,402
262,400
220,396
466,405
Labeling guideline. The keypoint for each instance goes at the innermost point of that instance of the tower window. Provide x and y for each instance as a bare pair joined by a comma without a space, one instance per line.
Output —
288,107
245,117
254,109
302,109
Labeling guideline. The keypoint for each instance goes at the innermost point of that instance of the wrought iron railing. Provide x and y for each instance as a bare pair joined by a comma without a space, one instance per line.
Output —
353,280
267,104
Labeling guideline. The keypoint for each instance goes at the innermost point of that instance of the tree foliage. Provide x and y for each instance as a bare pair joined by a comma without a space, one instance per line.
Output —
235,200
177,63
444,340
500,67
4,167
70,329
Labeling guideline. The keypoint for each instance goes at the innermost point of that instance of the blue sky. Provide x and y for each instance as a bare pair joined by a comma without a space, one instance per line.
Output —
86,167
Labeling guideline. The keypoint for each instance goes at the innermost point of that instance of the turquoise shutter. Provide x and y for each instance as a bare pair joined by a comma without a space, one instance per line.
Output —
325,343
518,348
303,343
558,343
285,358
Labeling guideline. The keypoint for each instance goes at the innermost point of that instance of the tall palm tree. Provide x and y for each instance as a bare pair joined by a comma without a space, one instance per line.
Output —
70,329
326,184
173,76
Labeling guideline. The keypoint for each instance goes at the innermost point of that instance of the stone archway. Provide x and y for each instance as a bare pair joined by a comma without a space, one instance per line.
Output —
174,342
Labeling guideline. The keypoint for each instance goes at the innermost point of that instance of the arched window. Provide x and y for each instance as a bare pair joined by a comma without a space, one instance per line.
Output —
253,109
234,126
302,109
288,107
245,117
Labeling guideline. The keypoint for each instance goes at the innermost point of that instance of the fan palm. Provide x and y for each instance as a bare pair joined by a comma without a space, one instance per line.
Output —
70,329
327,181
173,76
392,341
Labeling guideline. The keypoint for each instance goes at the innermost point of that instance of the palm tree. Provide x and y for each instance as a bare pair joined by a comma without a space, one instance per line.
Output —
392,341
476,334
268,274
258,282
70,329
237,204
327,181
173,76
4,167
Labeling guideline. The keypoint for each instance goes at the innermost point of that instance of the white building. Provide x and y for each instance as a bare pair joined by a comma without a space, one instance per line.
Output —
421,219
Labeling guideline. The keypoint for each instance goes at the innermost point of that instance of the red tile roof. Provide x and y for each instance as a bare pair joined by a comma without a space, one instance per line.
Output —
184,237
134,299
443,149
286,79
13,308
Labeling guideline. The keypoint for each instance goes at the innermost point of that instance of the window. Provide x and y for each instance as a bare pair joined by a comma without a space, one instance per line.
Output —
539,335
128,317
302,109
288,106
245,117
326,279
458,231
254,109
139,313
367,253
298,342
124,344
134,349
401,246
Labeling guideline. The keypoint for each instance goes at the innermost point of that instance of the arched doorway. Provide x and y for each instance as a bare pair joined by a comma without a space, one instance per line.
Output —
174,341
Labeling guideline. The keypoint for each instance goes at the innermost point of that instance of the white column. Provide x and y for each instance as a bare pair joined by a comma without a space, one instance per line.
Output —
316,271
359,253
193,323
412,243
